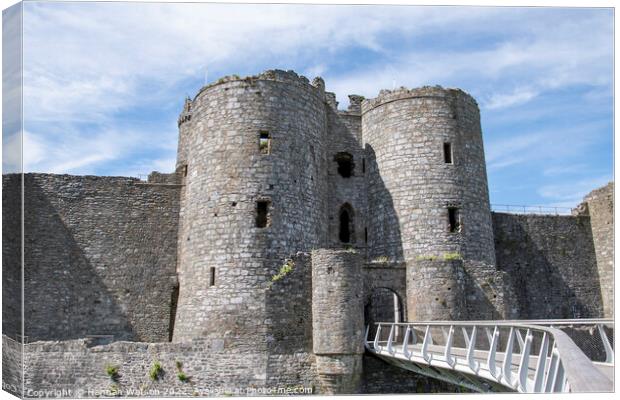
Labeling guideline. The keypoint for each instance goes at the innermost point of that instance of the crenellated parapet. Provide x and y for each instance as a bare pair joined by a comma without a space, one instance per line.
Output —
387,96
274,75
186,114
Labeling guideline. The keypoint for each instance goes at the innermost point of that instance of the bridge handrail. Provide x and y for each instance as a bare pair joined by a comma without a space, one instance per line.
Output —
535,322
568,367
581,373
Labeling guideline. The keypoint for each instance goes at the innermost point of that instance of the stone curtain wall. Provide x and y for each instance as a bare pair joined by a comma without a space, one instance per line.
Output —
600,206
100,257
12,372
75,369
11,255
552,264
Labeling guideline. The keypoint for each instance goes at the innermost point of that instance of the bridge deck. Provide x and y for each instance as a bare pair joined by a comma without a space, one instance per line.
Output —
508,357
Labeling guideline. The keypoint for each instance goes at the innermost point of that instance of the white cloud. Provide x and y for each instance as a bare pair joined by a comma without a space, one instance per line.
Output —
77,152
571,194
11,153
90,62
556,145
518,96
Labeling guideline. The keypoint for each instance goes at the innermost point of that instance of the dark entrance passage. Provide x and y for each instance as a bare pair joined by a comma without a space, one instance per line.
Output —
383,305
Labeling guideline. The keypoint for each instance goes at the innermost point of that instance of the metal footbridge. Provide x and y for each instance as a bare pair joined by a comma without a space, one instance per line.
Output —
519,356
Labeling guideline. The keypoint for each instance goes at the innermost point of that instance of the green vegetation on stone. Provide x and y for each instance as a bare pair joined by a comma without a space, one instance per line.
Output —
155,371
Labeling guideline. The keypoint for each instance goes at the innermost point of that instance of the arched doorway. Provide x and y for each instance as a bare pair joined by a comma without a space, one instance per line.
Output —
346,228
382,305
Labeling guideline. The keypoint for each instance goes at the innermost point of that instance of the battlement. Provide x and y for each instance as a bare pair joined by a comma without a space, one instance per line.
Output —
387,96
275,75
186,114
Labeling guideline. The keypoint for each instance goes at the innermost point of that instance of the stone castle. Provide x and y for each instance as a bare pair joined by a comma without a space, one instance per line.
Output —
287,228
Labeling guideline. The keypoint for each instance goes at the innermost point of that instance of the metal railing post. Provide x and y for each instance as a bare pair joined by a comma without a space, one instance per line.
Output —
492,354
541,364
524,363
471,346
425,343
609,351
448,349
507,365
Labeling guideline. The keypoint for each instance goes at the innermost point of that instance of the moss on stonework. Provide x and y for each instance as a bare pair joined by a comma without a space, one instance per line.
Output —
444,257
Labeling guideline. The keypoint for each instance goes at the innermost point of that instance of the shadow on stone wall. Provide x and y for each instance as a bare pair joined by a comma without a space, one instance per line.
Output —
486,290
11,256
66,297
385,290
552,264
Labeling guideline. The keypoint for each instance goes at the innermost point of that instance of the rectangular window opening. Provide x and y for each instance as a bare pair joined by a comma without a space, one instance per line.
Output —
262,213
264,142
363,165
366,235
185,170
447,153
454,222
212,277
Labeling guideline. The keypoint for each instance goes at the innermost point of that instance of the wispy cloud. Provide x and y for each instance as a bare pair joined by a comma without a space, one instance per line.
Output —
543,144
518,96
104,81
571,194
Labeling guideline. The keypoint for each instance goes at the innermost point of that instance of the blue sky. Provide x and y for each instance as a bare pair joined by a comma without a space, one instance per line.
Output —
104,82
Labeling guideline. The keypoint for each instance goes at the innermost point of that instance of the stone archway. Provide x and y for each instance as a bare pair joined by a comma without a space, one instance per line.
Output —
382,304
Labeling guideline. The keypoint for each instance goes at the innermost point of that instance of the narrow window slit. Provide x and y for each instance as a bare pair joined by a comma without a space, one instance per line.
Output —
447,153
264,142
262,213
345,234
454,223
212,276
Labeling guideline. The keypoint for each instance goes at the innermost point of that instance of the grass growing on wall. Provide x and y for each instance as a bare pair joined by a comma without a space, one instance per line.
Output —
112,371
285,269
155,371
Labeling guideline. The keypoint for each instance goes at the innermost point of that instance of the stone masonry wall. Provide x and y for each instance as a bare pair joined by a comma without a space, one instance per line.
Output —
77,369
337,319
446,302
11,255
12,371
552,263
411,188
600,207
289,318
345,136
226,260
100,257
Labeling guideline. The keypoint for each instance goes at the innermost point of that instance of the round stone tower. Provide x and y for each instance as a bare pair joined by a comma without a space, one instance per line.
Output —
428,198
254,195
338,319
